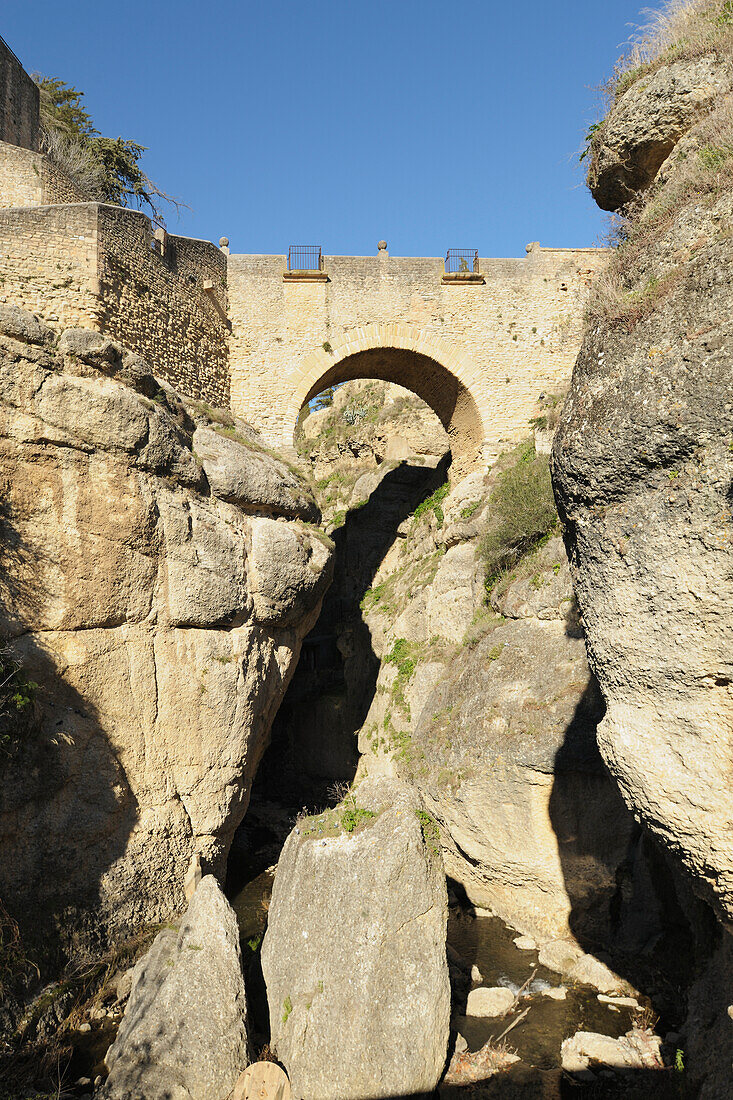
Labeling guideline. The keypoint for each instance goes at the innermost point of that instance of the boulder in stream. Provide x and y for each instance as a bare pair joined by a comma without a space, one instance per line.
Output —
354,957
184,1035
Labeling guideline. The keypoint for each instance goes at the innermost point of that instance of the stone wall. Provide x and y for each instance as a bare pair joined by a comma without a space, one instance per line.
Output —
154,301
499,342
48,263
32,179
95,265
19,102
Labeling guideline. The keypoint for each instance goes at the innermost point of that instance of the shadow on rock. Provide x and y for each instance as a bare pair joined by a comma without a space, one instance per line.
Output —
66,807
630,908
314,734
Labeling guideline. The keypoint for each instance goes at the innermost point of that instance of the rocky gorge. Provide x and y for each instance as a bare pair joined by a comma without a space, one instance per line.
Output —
407,782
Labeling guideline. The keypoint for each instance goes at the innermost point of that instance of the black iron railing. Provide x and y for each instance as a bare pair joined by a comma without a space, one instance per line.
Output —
461,261
305,257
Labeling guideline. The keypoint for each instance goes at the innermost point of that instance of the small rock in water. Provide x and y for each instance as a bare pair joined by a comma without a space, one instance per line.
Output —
84,1081
620,1002
525,943
559,955
555,992
84,1027
635,1050
486,1001
476,975
591,971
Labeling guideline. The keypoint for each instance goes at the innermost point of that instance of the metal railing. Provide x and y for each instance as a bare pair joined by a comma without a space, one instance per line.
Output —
460,261
305,257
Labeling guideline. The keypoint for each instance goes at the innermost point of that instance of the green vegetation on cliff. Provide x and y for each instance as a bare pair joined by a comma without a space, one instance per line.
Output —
521,512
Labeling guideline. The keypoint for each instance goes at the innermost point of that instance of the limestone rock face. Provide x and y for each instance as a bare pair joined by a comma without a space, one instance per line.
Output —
184,1035
160,621
499,735
646,123
354,956
642,468
241,475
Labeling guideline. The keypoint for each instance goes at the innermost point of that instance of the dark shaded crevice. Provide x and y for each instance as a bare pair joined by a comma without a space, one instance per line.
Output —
313,741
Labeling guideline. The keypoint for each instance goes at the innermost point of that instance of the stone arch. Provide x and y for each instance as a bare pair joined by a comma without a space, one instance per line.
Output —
430,367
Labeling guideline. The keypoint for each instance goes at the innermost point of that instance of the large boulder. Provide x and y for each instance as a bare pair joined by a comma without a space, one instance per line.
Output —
646,122
184,1032
241,473
642,467
161,623
354,956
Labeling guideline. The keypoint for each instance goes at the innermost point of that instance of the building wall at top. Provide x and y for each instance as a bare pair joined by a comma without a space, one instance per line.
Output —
19,102
153,301
99,266
48,263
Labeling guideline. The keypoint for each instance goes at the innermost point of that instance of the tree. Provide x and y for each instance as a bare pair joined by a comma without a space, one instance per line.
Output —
323,400
108,169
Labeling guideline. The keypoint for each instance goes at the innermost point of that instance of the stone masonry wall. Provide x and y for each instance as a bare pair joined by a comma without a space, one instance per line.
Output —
518,332
157,305
94,265
19,102
48,263
32,179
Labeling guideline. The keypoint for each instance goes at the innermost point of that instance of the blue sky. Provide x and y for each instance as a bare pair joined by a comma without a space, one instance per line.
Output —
339,122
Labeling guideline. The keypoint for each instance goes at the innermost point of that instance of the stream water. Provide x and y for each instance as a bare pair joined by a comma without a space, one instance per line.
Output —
488,943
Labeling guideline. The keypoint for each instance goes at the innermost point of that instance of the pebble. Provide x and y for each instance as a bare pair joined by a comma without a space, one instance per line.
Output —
556,993
525,943
84,1081
621,1002
476,975
85,1027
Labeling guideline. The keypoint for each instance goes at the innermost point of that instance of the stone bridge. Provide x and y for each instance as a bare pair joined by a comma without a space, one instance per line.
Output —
479,348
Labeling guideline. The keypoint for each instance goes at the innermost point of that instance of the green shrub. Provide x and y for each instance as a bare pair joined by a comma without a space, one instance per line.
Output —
430,831
401,656
521,512
17,694
433,504
352,815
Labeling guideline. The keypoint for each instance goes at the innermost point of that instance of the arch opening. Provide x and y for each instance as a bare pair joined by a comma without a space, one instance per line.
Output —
423,375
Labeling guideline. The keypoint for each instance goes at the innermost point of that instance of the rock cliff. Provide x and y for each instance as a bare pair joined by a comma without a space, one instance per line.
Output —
643,470
159,571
